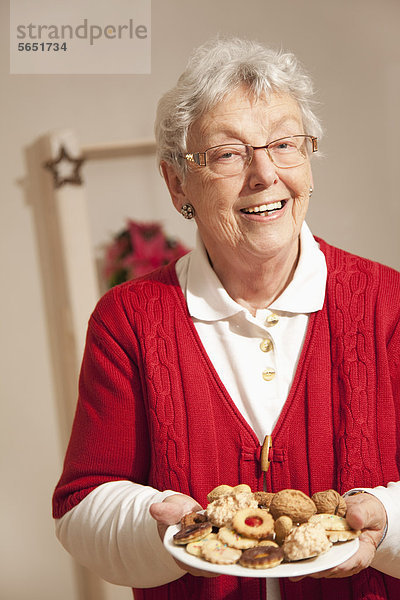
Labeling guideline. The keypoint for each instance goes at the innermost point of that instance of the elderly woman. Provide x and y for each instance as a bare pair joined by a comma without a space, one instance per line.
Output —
263,340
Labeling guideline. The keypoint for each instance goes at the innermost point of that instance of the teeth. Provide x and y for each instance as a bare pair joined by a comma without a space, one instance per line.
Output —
264,207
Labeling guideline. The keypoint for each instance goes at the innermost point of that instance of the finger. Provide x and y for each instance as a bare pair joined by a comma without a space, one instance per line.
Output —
168,514
365,511
196,572
171,511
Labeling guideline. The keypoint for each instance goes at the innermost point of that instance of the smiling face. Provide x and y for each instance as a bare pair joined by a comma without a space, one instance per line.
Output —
255,215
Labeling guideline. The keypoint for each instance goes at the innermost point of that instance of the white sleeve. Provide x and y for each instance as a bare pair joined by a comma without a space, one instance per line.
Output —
387,558
113,534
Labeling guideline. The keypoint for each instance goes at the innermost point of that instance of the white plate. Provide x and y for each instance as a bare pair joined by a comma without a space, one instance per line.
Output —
335,556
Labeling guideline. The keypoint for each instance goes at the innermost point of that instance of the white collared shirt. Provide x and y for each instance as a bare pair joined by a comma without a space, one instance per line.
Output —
258,380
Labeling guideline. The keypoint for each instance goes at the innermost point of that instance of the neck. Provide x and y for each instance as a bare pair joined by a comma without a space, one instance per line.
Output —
255,285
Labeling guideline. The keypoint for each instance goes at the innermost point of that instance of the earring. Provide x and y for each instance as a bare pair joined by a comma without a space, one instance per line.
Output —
187,211
310,191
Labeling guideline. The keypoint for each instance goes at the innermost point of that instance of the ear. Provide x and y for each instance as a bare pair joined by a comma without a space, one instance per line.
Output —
175,185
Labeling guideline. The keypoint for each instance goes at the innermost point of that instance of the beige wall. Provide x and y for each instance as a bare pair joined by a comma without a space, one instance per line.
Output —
352,50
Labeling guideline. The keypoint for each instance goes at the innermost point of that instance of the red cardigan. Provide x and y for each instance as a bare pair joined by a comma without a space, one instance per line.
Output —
153,410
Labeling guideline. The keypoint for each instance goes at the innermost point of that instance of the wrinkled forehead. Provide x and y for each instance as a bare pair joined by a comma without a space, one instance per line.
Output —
240,115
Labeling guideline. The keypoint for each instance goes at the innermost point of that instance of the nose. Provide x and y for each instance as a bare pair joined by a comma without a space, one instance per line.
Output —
261,172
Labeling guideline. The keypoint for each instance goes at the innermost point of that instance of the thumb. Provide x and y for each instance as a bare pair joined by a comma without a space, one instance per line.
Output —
365,512
172,509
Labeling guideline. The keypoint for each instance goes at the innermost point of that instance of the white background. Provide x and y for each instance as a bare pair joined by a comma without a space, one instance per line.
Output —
351,49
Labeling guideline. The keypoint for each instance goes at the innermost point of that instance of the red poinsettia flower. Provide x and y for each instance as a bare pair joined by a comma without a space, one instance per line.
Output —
137,250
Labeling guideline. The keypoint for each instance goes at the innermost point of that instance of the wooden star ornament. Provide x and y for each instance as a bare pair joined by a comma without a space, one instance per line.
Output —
65,169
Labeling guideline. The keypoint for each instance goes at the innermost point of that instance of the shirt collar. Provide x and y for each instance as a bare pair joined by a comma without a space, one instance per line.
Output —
306,292
208,300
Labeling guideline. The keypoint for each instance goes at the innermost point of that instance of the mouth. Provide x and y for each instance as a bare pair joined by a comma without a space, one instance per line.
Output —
264,209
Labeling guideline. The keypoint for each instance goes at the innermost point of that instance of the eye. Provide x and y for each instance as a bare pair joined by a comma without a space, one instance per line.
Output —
284,146
223,154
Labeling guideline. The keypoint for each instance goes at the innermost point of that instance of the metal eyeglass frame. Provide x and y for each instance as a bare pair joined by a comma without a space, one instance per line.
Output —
200,158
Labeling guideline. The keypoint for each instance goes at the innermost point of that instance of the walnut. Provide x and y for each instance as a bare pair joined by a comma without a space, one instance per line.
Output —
330,502
263,499
283,526
294,504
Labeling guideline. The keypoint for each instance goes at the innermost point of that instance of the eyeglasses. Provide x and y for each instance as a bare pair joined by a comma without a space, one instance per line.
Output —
232,159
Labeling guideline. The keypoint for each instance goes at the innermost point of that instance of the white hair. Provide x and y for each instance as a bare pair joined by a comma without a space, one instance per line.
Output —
214,70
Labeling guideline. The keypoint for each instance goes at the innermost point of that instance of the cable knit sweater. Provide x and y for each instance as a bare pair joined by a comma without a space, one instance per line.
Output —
153,410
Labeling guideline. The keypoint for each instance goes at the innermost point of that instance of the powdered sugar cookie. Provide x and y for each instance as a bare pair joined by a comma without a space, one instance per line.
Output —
221,511
305,541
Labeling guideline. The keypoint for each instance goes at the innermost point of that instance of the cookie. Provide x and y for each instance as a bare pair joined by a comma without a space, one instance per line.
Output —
330,522
221,511
261,557
267,543
254,523
192,518
193,533
242,488
219,491
342,536
233,539
226,490
196,548
215,552
305,541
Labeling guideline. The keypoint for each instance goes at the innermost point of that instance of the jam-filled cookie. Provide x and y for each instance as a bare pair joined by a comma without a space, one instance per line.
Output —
254,523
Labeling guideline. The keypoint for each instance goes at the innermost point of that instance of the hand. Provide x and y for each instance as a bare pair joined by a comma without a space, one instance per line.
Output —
170,511
367,513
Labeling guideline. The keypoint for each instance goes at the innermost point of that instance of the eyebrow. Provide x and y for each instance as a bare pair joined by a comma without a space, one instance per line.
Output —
235,134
